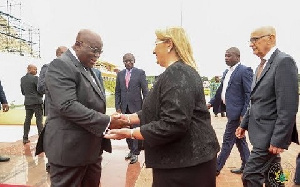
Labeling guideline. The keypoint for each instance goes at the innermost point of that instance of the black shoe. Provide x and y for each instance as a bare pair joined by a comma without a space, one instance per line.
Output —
128,156
4,159
222,114
48,168
217,173
237,171
133,159
216,115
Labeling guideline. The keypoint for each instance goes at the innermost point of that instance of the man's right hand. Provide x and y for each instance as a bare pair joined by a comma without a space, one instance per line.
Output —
240,132
118,123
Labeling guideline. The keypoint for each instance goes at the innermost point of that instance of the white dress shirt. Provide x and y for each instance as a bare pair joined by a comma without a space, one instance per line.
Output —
226,80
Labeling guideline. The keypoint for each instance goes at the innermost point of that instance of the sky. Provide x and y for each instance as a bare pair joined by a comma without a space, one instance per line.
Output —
129,26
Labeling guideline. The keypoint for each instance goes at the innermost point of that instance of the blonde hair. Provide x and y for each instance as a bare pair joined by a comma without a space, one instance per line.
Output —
180,41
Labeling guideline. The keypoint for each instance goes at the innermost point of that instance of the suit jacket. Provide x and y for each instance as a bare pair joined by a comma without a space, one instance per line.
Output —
271,117
2,96
41,86
29,90
175,121
73,134
133,95
237,93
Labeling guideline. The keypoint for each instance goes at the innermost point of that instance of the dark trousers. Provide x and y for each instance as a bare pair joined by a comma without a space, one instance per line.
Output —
297,172
229,139
203,174
30,110
262,167
83,176
133,144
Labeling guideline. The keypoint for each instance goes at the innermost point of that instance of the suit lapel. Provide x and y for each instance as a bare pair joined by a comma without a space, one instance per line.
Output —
233,74
265,70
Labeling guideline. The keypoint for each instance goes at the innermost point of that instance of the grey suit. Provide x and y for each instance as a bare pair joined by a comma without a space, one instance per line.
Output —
76,121
33,103
270,119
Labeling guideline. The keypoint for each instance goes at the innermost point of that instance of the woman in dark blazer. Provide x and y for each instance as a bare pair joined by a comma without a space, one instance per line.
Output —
180,143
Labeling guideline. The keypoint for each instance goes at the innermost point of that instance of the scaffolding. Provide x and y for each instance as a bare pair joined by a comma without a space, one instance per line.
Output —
15,35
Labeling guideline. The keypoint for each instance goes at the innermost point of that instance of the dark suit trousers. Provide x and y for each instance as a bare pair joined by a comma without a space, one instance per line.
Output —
30,110
262,167
83,176
229,139
133,144
297,172
203,174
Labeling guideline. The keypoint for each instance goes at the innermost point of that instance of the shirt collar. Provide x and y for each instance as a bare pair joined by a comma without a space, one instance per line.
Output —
233,67
268,55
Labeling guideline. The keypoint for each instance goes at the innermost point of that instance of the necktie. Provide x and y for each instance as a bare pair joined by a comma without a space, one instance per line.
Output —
127,78
260,68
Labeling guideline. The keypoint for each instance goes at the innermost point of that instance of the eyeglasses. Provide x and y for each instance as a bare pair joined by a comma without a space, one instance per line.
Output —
94,50
159,42
255,39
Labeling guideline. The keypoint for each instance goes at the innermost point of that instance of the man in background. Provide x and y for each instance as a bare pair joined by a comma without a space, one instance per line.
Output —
131,89
33,101
234,95
5,108
271,117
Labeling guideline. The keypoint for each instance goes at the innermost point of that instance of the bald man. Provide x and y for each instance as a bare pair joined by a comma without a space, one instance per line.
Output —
33,101
270,119
73,135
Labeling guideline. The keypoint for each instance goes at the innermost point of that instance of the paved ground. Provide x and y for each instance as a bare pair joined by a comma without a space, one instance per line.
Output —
26,169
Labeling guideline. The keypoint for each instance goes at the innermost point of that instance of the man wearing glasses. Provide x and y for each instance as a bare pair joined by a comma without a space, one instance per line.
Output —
270,119
73,135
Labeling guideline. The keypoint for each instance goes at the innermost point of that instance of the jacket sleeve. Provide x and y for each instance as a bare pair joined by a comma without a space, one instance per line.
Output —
287,99
41,80
247,78
118,93
2,95
144,84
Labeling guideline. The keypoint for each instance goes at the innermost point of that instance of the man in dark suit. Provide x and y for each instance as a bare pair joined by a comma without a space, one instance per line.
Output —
234,95
33,101
270,119
131,89
73,135
5,108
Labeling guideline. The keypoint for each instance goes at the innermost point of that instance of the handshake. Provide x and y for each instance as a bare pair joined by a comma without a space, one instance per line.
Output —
120,127
119,121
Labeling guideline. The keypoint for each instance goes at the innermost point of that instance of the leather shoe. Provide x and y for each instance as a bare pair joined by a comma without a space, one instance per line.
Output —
237,171
4,159
128,156
217,173
133,159
26,141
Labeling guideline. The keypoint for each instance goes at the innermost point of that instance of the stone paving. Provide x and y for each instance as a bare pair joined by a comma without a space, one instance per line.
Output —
26,169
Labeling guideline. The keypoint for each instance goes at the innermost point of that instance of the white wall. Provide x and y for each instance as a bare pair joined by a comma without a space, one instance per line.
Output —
12,68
